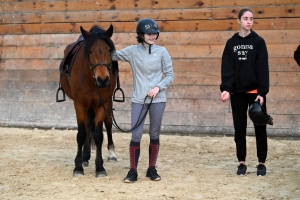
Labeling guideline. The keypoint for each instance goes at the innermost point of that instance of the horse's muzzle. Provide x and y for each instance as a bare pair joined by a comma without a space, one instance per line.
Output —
103,83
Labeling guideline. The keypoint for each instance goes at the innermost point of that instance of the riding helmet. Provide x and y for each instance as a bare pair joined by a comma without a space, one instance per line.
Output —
258,115
147,25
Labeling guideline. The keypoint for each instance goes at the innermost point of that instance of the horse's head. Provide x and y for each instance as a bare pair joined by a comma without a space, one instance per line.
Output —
98,48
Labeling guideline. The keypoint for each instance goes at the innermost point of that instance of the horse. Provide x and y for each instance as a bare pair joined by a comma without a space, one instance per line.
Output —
90,84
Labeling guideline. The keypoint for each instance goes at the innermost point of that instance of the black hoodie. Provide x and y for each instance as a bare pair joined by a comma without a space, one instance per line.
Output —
245,65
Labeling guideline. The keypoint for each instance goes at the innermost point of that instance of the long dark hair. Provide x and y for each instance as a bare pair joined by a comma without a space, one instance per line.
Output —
139,38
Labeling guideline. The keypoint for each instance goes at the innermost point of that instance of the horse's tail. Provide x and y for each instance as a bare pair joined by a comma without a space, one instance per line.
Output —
90,137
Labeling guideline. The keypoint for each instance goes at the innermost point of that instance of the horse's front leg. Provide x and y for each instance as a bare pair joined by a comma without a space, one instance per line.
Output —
90,129
81,136
110,145
86,154
98,138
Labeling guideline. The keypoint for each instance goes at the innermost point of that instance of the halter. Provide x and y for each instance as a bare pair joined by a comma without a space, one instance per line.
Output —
92,67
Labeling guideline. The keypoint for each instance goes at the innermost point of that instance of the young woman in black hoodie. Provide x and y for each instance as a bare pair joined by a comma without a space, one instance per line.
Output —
245,79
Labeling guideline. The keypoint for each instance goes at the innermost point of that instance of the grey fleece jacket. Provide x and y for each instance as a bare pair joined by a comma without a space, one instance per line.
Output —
149,70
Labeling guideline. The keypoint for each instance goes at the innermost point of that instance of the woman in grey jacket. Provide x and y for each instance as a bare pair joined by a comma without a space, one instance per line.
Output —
152,71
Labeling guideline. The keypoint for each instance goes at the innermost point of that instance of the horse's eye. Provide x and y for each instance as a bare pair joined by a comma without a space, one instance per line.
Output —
90,52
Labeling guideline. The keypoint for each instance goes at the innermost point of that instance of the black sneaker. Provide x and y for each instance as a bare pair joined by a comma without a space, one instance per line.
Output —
261,170
152,174
131,176
241,170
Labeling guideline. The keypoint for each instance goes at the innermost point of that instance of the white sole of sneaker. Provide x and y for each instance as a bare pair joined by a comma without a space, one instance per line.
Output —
157,179
262,175
128,181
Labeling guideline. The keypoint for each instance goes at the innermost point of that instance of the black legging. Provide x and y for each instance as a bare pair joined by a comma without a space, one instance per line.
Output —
239,104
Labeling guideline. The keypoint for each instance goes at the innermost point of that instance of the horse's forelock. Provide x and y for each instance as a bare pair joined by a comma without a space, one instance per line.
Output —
95,29
107,39
97,32
101,33
89,42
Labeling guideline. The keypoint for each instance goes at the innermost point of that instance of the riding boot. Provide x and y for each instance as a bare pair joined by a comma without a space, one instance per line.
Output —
153,152
134,152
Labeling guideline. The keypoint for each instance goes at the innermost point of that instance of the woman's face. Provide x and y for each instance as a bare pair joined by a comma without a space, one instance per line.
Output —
246,21
150,37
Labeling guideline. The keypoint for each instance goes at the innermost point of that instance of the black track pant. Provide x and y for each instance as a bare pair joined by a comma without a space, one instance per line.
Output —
240,103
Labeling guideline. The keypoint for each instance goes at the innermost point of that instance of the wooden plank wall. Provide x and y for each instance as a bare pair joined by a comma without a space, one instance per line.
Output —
34,34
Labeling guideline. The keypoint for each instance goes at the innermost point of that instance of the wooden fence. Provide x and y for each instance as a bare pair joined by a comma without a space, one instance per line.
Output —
34,34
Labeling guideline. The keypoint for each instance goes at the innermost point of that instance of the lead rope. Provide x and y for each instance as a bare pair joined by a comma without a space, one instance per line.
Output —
114,123
139,121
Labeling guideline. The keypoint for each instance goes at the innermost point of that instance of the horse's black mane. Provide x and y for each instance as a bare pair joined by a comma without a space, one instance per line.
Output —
97,32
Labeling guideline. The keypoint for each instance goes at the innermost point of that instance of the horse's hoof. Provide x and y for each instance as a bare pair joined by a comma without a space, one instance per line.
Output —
77,173
100,174
85,163
112,159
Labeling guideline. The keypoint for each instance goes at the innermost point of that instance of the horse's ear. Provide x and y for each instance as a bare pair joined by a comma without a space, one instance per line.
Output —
110,31
84,33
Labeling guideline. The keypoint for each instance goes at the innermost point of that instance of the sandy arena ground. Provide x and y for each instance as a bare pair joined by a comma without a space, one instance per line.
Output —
38,164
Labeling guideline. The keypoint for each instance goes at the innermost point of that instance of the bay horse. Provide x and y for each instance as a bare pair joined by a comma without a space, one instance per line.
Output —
90,84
